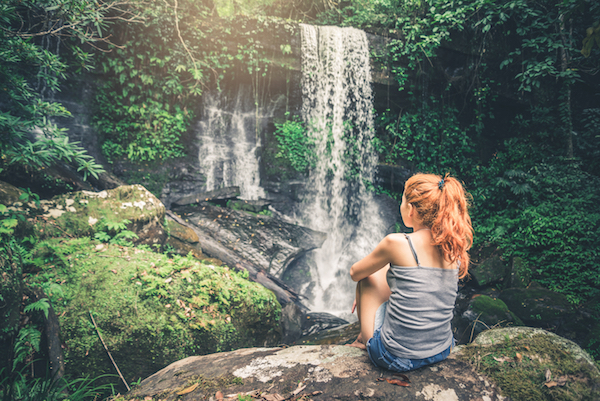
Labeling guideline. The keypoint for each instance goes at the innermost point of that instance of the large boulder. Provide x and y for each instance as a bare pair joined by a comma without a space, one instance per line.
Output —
517,358
150,310
269,243
220,248
481,313
9,194
533,364
537,306
85,213
132,215
318,372
490,271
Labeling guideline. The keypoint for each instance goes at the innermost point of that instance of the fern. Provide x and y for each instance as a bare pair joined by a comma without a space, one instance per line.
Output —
21,252
117,226
114,232
18,386
102,236
41,305
123,238
27,342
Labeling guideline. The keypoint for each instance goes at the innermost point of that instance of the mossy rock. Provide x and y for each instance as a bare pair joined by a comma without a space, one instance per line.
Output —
538,307
494,311
183,240
80,214
182,233
149,309
482,313
255,206
490,271
534,365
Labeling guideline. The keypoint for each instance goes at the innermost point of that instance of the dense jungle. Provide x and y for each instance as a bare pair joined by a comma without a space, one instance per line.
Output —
502,94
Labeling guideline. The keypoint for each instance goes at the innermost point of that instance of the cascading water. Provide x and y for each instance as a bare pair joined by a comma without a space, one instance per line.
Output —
337,108
229,144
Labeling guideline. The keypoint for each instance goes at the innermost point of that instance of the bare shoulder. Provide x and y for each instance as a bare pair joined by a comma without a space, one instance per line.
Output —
395,239
397,247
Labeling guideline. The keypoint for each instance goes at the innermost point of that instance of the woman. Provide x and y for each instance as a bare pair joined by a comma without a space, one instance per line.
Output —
407,286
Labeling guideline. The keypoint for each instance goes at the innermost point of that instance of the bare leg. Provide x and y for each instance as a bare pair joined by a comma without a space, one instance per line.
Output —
371,292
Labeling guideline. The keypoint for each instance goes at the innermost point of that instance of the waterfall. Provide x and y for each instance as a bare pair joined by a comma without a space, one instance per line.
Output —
229,144
337,108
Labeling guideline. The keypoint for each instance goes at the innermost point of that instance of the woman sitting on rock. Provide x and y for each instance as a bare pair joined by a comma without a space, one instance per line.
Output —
407,286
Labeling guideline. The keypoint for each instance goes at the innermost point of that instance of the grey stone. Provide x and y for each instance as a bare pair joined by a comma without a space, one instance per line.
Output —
208,196
321,372
291,323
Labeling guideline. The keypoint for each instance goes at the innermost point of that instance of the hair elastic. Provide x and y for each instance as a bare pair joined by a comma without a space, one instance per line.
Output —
441,184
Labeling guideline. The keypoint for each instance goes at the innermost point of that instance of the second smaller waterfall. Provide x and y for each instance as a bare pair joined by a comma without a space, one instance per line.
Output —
229,144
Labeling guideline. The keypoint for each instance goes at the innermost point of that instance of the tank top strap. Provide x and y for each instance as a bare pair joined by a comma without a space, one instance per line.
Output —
412,249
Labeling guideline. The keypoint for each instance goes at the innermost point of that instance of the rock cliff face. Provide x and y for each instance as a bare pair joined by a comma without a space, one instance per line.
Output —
323,372
185,176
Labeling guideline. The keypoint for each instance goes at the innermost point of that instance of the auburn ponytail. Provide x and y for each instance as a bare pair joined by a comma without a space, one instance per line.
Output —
443,206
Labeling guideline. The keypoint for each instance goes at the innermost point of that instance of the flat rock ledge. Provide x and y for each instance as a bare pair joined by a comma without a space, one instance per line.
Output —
309,372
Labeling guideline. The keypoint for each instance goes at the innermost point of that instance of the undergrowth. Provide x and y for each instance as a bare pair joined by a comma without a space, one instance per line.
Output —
151,310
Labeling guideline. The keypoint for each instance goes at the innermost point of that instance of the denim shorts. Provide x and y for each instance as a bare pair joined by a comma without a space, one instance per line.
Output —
384,359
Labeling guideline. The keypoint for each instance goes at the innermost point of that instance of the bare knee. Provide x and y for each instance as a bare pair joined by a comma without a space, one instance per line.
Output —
376,283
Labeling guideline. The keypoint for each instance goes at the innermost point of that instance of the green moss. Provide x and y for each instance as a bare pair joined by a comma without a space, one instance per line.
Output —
493,311
490,271
150,310
524,377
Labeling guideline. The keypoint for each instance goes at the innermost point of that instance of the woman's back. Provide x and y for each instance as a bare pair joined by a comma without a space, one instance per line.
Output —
421,304
428,254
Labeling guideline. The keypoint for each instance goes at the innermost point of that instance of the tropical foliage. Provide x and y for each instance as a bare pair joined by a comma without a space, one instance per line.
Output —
501,93
41,45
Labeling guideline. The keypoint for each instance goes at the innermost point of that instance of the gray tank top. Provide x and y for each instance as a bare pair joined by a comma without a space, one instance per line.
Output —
419,311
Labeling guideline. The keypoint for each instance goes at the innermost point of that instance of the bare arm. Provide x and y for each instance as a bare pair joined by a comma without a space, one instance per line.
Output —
376,260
